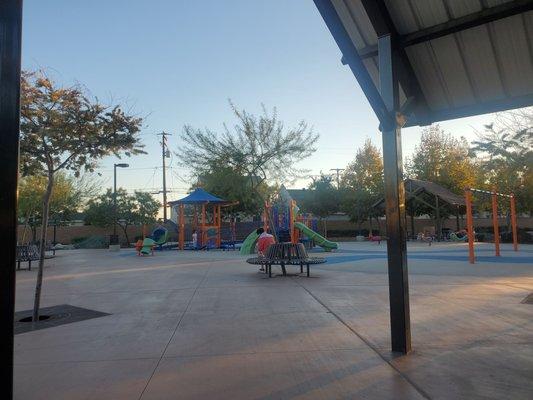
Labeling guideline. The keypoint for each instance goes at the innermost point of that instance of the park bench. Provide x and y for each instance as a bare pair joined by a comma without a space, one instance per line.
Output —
284,254
27,252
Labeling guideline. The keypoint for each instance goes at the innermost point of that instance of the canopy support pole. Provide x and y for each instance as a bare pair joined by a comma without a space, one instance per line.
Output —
219,223
181,226
394,202
513,223
495,223
470,226
202,229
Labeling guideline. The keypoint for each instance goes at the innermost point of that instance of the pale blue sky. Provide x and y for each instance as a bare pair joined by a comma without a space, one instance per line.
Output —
178,61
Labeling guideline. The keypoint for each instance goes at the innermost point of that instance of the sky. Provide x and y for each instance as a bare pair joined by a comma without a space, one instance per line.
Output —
177,62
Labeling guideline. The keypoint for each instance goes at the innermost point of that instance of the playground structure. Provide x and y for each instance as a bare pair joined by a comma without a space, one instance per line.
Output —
205,218
470,221
283,219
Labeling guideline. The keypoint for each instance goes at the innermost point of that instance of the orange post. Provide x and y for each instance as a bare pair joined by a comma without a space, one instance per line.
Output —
495,222
291,222
470,226
181,225
513,223
266,212
219,223
202,228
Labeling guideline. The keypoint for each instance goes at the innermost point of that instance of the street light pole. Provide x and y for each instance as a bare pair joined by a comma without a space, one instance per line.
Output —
121,165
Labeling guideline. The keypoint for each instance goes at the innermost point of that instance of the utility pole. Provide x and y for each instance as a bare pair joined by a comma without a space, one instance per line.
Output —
165,153
338,171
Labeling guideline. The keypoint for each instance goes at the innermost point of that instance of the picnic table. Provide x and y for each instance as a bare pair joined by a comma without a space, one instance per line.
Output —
284,254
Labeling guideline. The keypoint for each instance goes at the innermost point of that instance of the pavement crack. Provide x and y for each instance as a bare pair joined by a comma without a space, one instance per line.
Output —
420,391
176,329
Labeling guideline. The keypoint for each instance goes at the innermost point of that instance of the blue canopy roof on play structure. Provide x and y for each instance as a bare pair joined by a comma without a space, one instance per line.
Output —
199,196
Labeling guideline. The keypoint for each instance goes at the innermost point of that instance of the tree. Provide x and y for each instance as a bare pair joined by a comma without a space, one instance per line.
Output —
322,199
62,128
443,159
259,148
231,185
65,200
505,149
141,208
362,184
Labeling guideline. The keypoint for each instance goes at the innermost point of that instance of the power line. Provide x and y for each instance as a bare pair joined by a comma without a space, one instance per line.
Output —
338,171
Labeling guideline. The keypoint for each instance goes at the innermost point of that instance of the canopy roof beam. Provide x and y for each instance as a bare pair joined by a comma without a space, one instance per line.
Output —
351,58
452,26
383,25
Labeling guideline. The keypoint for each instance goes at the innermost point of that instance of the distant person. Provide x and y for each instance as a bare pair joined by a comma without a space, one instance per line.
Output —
264,240
194,239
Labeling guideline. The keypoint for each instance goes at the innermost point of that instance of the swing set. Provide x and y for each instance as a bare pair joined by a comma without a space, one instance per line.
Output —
470,221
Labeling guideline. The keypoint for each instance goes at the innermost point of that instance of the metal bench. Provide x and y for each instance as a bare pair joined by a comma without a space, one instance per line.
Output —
27,252
284,254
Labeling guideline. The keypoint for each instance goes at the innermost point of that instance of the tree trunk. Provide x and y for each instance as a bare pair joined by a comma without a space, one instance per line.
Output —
44,229
325,223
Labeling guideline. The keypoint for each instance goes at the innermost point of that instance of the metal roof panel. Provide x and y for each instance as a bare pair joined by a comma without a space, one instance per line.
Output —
467,57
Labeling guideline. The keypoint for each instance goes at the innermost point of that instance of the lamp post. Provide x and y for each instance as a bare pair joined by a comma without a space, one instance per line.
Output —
114,239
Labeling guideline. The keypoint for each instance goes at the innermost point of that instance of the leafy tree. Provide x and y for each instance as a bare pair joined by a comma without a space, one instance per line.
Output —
259,148
506,152
443,159
231,185
141,208
322,199
362,184
65,200
62,128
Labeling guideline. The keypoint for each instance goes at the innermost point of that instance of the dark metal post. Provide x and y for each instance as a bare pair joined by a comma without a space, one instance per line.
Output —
114,201
10,49
394,203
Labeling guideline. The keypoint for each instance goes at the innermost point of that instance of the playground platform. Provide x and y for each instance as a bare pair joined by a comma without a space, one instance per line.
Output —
206,325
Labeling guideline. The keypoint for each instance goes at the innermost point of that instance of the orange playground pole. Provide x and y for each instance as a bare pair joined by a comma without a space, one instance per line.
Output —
181,225
219,223
266,211
513,223
470,226
202,229
495,222
291,222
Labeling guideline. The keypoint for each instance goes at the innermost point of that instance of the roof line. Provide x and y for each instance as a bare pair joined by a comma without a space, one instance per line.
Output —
351,57
465,22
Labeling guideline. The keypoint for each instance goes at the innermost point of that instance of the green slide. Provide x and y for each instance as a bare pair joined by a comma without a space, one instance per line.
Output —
319,239
148,245
249,243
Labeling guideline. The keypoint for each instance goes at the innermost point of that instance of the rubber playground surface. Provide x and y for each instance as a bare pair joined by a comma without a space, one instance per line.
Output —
206,325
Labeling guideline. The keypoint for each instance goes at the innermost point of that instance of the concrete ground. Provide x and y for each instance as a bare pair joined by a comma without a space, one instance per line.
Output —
206,325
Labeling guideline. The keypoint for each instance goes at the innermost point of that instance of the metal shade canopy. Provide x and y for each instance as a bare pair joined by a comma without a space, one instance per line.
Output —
456,58
423,61
199,196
